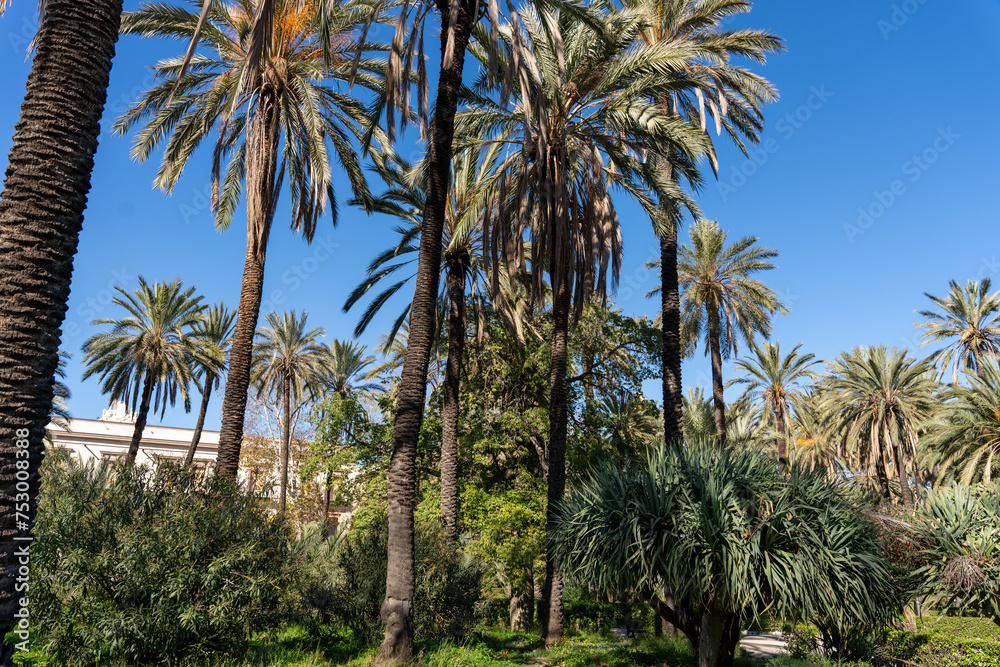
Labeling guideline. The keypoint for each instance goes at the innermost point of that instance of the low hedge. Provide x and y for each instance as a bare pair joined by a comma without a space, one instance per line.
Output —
966,627
941,650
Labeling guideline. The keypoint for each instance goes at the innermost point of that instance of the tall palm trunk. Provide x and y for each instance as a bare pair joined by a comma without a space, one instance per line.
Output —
718,400
189,459
449,404
148,383
552,622
780,413
41,213
397,609
906,494
670,297
265,133
286,438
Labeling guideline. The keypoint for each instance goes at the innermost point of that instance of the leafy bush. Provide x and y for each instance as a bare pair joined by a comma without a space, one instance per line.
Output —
146,567
941,650
966,627
447,584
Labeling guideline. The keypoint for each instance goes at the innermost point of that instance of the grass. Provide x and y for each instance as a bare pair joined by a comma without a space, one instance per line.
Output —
496,648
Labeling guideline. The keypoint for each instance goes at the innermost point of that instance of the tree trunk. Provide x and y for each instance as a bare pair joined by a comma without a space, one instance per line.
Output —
552,627
904,484
41,214
883,479
673,396
189,459
140,419
718,399
397,609
264,136
286,437
730,640
782,440
522,605
449,402
713,632
326,506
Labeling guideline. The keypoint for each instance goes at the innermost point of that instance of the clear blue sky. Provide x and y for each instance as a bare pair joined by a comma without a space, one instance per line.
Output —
877,182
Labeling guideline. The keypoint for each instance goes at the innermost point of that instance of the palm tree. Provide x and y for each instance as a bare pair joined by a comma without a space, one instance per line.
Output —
572,137
970,321
466,217
721,302
288,363
734,98
876,400
273,129
814,446
347,369
146,356
775,382
582,137
213,335
41,213
965,435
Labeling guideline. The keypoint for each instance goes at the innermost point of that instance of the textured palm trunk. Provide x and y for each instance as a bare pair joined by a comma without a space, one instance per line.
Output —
782,441
140,419
906,494
286,437
41,213
189,459
265,133
552,623
670,298
522,604
670,314
718,398
713,631
397,608
449,402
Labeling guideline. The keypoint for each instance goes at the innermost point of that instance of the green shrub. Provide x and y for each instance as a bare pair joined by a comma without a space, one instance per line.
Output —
447,584
966,627
941,650
152,568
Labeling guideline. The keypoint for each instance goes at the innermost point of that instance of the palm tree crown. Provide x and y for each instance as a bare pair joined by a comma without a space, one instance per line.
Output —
970,321
876,400
274,111
146,357
349,369
775,382
965,437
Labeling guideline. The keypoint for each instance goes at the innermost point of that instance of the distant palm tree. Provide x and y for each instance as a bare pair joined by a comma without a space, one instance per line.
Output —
348,369
273,110
876,400
213,334
970,321
59,414
146,356
288,363
814,446
721,302
965,436
775,382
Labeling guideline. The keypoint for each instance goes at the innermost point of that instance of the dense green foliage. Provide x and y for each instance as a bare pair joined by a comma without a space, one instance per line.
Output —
732,536
152,568
448,584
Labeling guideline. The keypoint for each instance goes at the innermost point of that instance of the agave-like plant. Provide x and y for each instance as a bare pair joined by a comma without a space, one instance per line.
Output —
714,536
959,534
